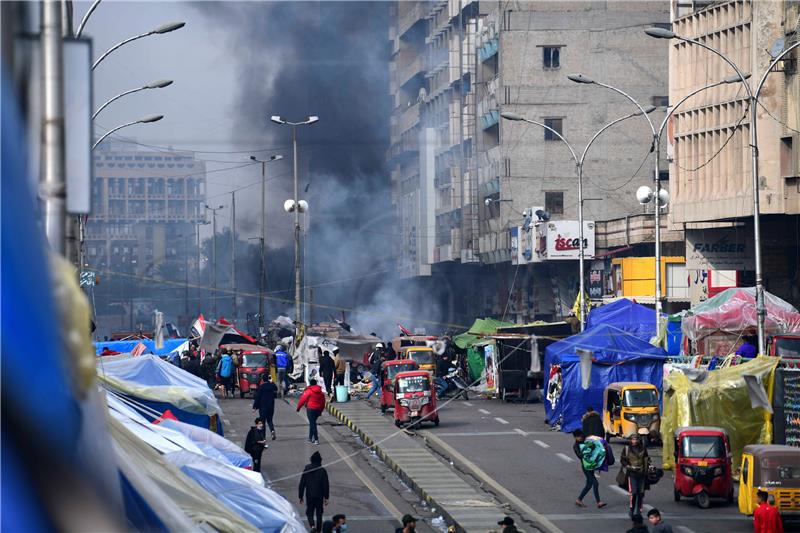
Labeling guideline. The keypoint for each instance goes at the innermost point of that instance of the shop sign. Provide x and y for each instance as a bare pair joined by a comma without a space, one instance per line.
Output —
596,284
563,239
719,249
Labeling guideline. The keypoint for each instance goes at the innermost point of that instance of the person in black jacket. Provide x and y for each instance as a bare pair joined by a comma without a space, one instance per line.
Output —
192,364
264,402
592,423
255,443
314,488
326,367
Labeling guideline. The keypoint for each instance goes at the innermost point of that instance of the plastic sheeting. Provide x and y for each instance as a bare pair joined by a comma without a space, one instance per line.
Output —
213,445
720,400
150,378
479,328
638,320
734,310
170,345
262,507
617,356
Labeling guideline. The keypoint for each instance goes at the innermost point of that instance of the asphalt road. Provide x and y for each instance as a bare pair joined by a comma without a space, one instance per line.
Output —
512,444
362,487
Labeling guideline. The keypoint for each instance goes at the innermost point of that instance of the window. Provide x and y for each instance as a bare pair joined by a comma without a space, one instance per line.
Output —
555,123
663,175
661,101
554,202
551,58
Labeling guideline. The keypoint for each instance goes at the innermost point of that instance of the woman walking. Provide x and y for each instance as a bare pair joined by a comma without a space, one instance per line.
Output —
634,461
591,453
314,400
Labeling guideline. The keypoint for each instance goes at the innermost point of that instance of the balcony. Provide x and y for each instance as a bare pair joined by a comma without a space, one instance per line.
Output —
411,17
410,68
409,118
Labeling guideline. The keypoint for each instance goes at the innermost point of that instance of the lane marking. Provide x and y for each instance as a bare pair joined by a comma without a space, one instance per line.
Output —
502,421
542,444
684,529
619,490
541,521
566,458
475,434
467,404
521,432
484,411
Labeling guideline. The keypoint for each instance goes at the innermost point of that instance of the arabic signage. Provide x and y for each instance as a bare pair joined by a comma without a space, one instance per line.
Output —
521,245
563,239
719,249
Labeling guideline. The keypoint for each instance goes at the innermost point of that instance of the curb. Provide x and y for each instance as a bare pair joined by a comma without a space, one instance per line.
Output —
395,468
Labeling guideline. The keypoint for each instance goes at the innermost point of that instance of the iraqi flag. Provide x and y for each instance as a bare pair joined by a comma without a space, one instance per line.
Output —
199,326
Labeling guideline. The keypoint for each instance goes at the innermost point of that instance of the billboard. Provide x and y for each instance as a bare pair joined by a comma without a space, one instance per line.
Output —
563,239
719,249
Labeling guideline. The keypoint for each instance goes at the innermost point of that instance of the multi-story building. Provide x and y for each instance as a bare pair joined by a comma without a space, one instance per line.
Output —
711,172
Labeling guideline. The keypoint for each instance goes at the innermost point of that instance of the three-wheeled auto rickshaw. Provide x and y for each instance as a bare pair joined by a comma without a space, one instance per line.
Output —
424,356
389,369
774,468
253,367
414,398
703,465
631,407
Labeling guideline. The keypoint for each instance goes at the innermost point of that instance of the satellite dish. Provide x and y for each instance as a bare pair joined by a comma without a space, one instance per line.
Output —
542,215
777,47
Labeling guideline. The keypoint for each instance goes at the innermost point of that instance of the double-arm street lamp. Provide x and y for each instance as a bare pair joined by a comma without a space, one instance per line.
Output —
579,161
263,274
296,206
752,96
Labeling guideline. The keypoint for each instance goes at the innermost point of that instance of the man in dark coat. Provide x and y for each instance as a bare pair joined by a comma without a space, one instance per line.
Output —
255,443
592,423
208,369
192,365
327,367
264,402
314,488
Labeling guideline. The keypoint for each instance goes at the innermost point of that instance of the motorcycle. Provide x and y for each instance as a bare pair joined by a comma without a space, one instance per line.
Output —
452,381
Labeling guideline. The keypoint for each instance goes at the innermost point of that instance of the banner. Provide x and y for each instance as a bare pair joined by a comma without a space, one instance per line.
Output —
491,367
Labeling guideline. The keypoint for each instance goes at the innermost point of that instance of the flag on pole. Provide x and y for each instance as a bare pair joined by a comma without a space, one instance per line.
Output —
139,349
199,326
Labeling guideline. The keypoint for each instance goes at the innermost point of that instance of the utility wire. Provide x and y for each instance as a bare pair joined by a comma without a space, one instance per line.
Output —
733,132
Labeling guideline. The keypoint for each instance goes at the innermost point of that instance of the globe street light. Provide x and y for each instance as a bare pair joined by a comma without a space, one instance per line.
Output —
165,28
752,97
263,274
158,84
579,172
143,120
291,209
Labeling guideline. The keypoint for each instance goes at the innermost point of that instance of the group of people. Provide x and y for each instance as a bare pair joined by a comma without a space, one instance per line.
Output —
332,368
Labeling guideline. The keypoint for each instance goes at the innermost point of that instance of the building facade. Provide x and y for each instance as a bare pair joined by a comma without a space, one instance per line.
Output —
712,185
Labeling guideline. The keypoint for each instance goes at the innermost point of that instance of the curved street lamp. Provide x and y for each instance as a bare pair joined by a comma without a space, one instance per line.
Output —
752,96
158,84
579,161
165,28
143,120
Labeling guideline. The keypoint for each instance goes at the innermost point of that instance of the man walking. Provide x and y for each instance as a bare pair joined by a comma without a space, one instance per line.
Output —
314,400
409,525
635,460
589,454
592,423
225,373
314,488
657,524
341,367
255,443
337,524
375,362
327,368
264,402
281,368
766,518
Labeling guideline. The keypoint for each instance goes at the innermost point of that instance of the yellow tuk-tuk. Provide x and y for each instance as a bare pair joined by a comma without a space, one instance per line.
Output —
424,356
774,468
631,407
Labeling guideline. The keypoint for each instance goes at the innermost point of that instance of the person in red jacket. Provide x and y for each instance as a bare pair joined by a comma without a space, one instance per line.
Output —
766,518
314,400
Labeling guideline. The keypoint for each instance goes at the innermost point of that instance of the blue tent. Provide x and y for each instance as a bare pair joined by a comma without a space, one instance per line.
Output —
626,315
618,356
170,345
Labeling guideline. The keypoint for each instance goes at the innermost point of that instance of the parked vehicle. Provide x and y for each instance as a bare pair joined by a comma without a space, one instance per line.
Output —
774,468
251,370
415,399
423,355
631,407
389,369
703,465
452,382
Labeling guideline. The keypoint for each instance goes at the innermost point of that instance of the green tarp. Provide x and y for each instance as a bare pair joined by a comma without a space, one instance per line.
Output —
482,326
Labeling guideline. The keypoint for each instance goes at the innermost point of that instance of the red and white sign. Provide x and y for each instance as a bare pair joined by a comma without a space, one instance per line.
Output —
563,239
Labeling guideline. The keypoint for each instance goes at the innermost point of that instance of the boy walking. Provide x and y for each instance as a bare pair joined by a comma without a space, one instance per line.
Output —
255,443
314,489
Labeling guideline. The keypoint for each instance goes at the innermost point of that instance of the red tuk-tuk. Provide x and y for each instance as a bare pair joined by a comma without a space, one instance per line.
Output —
703,465
389,369
253,366
414,398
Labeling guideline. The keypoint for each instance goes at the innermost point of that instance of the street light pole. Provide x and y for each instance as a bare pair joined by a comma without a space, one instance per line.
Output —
579,174
143,120
233,251
158,84
214,257
166,28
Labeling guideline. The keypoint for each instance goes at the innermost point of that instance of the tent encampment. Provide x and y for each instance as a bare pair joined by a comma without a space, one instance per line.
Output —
617,356
636,319
170,345
158,385
479,328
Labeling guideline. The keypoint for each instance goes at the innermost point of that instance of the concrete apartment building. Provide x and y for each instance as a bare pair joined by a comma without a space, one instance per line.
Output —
488,172
711,171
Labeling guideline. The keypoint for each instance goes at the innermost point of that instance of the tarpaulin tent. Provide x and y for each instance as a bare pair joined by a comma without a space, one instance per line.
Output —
636,319
722,399
161,386
734,310
170,345
481,327
617,356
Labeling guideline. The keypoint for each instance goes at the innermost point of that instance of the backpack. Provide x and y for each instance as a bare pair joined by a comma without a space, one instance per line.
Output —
225,367
593,453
